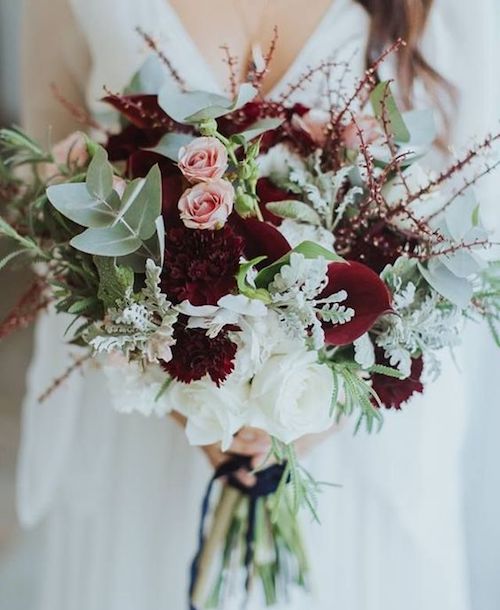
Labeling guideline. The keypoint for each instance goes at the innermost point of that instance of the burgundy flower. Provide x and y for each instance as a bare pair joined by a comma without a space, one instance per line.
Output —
395,392
128,141
200,265
195,355
377,247
366,294
260,239
143,111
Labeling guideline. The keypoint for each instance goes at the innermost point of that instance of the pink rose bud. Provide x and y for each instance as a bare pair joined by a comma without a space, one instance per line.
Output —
207,204
313,123
203,159
369,127
72,151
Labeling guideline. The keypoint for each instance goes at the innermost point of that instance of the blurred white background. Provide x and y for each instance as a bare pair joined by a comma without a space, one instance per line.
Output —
18,559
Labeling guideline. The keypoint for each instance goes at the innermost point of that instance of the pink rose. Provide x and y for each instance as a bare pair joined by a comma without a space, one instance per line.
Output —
207,204
313,123
203,159
72,151
369,127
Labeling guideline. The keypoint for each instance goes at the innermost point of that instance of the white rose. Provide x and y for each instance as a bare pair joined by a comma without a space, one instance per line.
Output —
135,388
291,396
213,413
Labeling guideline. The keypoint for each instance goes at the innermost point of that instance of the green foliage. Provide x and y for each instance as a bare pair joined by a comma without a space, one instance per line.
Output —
257,129
357,394
308,249
456,289
247,288
385,108
76,202
296,210
171,143
487,298
99,179
198,106
114,281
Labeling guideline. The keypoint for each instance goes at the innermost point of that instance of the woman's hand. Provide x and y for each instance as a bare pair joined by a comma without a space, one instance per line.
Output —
250,442
256,444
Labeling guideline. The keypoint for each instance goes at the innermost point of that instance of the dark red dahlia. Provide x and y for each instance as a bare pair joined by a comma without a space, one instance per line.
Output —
395,392
200,265
195,355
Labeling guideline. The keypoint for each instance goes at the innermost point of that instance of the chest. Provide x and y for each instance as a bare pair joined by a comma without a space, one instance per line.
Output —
242,32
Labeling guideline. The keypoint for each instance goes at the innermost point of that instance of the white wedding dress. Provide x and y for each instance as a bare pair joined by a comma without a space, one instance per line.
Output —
119,495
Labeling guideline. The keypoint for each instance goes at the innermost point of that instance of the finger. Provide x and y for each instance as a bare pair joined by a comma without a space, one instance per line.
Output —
249,443
246,478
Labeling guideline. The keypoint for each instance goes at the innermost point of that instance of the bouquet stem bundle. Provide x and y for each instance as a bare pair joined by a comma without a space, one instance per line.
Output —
253,542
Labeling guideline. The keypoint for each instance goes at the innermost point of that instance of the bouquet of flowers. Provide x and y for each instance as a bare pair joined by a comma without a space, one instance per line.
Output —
253,263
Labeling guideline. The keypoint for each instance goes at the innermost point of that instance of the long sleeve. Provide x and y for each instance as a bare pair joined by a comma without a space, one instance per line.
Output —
53,52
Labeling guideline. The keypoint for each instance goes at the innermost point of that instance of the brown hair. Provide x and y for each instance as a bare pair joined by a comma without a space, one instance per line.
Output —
406,19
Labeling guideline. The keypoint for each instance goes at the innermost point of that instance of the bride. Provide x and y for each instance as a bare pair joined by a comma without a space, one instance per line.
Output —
119,495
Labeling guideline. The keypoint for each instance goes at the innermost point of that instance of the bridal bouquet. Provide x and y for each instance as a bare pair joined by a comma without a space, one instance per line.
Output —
253,263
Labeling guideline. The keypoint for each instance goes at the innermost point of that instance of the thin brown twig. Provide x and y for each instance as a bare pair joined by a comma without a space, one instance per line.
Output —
257,76
80,114
25,311
368,81
232,63
153,45
453,169
78,363
468,183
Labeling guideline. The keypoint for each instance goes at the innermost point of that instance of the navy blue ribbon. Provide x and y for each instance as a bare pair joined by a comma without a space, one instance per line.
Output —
267,482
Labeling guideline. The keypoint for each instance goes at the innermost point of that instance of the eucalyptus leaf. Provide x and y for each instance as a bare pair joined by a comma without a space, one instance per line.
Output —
117,240
170,145
462,263
421,125
76,203
100,175
296,210
461,214
384,104
149,79
457,290
141,205
260,127
196,106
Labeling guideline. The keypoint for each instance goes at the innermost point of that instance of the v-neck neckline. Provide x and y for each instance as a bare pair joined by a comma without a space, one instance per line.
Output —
291,70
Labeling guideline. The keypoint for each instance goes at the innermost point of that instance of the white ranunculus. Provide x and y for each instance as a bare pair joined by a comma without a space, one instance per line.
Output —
213,413
135,388
291,396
